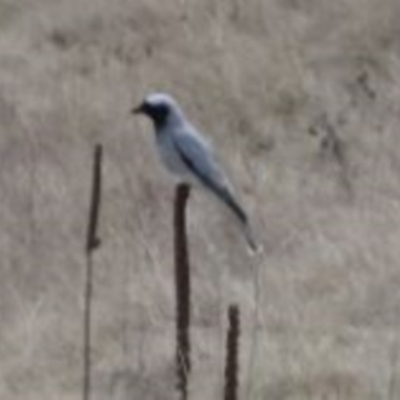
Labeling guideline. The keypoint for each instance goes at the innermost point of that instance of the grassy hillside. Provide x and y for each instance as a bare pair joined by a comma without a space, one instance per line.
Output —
301,99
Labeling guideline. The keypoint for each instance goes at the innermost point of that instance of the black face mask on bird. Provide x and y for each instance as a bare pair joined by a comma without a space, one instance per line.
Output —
158,113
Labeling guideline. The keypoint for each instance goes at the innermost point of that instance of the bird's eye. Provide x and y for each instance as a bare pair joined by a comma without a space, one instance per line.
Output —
162,108
157,112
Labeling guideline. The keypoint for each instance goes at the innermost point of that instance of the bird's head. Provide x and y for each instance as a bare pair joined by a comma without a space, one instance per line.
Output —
159,107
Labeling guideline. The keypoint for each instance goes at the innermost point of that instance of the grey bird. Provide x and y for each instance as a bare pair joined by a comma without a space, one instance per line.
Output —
188,155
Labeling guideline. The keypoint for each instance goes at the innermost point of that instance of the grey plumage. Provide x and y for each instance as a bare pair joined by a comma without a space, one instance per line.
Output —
187,155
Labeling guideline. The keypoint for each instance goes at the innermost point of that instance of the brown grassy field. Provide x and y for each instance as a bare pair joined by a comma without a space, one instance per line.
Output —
302,100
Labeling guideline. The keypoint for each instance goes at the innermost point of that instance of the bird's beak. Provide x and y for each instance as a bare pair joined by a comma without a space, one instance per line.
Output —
138,110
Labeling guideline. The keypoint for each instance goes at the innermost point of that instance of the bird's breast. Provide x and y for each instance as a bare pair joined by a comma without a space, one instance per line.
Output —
170,157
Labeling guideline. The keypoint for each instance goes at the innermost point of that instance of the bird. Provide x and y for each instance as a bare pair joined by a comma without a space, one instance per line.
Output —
189,156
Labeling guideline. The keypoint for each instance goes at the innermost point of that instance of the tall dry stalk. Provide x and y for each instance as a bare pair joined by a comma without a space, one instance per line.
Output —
182,284
232,354
92,243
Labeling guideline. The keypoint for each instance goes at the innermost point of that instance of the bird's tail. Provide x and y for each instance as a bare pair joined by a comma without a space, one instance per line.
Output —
237,209
249,236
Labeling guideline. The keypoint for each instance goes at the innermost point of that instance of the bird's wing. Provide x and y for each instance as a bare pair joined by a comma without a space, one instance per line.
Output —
198,156
199,159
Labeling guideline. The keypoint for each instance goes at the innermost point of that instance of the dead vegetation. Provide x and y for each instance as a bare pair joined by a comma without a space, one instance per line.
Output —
257,75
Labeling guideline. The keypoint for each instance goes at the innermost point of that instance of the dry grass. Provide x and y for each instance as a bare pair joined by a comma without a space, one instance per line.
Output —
260,76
